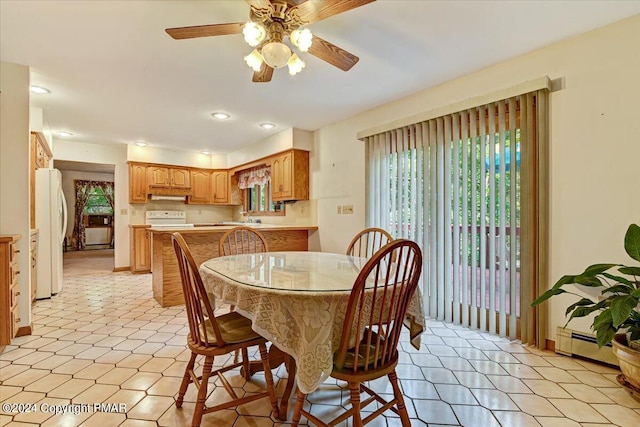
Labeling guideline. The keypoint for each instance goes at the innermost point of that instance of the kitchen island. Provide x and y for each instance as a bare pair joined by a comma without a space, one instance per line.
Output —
203,243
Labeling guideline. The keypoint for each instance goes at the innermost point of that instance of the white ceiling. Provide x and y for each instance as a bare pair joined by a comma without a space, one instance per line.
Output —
116,77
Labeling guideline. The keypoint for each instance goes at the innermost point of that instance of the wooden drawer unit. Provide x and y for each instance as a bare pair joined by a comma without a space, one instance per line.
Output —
9,288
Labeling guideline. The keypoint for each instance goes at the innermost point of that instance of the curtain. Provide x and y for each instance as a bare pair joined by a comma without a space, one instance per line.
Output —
470,188
107,188
251,177
82,195
83,189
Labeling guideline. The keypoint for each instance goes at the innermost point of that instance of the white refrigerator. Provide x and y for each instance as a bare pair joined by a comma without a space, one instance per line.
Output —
51,222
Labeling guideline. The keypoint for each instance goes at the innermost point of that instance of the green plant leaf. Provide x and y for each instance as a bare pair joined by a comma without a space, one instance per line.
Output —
548,294
631,271
632,241
619,279
597,269
582,302
619,289
590,281
621,308
563,281
605,336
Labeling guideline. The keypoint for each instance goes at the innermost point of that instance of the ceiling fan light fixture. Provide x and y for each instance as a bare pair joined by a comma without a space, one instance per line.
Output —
295,64
254,60
301,39
254,33
276,54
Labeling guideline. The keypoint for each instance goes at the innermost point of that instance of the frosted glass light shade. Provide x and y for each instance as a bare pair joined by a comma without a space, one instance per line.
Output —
254,60
253,33
295,65
302,39
276,54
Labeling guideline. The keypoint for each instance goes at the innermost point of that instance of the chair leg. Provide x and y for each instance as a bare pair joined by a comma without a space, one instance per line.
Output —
297,410
185,380
267,376
202,392
354,393
402,409
246,369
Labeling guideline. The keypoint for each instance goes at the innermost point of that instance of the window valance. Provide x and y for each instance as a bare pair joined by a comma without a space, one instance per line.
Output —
252,177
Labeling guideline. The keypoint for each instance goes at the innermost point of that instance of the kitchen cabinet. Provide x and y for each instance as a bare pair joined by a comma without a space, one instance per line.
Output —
173,177
34,262
140,250
39,158
201,193
9,292
137,183
220,186
290,176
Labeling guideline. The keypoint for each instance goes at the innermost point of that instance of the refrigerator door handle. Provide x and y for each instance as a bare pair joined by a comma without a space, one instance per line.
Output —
64,216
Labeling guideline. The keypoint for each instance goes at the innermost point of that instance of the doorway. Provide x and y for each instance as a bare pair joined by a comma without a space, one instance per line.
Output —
89,241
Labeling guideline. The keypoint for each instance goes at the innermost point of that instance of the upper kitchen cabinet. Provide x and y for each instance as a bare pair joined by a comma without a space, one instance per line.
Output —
290,176
220,186
137,183
168,176
40,156
201,193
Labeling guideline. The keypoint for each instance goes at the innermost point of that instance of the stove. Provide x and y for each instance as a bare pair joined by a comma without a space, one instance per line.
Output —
167,219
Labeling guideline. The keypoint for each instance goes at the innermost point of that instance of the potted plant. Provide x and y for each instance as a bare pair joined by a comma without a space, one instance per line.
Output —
618,318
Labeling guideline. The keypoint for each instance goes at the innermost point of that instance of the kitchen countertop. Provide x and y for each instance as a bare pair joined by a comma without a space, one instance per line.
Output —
202,228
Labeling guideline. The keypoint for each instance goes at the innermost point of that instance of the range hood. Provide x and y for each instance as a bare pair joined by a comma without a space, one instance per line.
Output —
169,191
180,199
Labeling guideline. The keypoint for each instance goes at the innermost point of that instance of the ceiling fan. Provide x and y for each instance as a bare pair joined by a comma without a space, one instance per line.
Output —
270,23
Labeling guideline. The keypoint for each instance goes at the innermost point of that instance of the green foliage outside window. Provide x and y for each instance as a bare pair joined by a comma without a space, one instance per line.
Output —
97,203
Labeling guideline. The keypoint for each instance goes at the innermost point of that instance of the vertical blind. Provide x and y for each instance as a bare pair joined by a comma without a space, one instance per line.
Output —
463,186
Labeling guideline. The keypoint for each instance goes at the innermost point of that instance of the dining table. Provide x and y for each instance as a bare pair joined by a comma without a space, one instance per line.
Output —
298,301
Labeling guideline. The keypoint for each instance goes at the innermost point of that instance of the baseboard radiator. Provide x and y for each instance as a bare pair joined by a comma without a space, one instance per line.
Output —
582,344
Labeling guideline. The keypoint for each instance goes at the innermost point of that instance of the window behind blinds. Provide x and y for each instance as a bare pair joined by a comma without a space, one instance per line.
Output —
456,184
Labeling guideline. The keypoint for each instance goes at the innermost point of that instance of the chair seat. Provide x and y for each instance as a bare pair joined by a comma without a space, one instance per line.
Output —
350,359
234,329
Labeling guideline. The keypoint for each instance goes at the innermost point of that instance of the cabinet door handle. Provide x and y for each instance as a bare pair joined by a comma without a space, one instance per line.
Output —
18,293
17,320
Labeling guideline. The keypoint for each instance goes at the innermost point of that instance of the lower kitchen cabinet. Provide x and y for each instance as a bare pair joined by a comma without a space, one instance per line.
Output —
140,250
9,291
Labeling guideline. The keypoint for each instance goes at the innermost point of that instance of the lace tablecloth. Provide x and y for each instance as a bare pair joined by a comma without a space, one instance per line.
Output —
307,325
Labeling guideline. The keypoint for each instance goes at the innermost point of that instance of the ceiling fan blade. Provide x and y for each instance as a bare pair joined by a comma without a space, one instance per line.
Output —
315,10
264,75
205,30
332,54
259,4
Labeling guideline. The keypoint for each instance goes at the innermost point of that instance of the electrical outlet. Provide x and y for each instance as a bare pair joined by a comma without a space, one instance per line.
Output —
123,212
347,209
339,210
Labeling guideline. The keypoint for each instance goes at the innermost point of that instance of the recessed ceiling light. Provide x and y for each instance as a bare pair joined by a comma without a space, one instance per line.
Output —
267,125
39,89
220,115
141,144
64,133
205,152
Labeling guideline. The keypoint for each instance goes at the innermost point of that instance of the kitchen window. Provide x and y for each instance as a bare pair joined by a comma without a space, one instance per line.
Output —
97,203
258,201
256,184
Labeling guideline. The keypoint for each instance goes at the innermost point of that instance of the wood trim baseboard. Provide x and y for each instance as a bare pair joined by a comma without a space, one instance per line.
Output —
117,269
24,330
550,345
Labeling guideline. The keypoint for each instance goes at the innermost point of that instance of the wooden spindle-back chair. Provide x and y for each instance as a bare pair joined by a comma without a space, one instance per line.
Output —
368,241
377,308
211,336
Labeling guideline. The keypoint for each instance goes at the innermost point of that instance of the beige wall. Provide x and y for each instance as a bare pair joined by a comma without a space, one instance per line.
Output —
595,147
14,171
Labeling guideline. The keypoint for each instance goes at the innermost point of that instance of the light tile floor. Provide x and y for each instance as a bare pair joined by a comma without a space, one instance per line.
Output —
104,339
